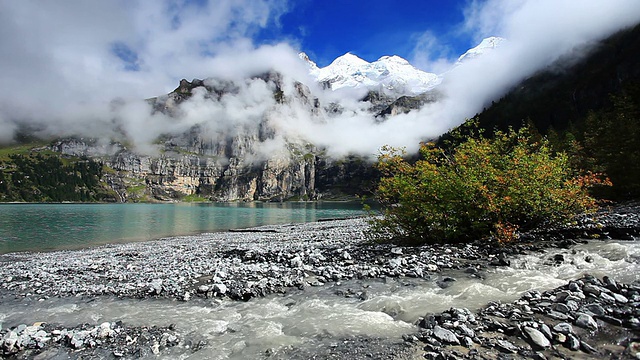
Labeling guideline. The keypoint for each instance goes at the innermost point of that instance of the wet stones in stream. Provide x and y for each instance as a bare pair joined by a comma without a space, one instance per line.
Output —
587,318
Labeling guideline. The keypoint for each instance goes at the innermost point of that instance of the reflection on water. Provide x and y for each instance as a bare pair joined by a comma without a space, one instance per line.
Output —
41,227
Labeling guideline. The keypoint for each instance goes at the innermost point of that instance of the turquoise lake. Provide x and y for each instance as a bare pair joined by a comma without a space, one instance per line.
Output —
46,227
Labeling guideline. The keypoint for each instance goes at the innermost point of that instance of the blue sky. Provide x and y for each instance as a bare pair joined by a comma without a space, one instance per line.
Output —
371,29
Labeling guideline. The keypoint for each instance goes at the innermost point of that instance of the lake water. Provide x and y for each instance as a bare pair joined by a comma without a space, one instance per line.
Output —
45,227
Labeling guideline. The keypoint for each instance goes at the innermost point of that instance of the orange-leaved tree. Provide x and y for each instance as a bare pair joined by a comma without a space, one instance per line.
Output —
478,188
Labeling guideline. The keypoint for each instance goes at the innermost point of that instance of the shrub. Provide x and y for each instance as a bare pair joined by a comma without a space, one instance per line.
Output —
479,187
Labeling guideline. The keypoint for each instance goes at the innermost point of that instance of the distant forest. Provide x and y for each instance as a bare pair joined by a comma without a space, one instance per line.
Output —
46,178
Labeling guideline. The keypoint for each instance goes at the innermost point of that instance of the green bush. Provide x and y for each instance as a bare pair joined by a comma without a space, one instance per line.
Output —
478,188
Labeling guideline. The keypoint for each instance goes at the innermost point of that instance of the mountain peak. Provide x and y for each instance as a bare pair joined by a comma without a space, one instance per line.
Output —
394,59
349,59
305,58
486,45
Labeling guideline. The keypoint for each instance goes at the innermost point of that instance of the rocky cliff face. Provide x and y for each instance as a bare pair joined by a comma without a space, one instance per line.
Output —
225,166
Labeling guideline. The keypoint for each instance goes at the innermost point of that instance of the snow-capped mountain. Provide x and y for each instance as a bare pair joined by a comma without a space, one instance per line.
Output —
488,44
390,74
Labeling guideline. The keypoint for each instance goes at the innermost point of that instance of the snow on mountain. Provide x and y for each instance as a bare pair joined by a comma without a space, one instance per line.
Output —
306,59
390,74
485,46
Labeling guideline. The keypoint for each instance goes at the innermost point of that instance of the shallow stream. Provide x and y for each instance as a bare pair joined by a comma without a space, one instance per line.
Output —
321,316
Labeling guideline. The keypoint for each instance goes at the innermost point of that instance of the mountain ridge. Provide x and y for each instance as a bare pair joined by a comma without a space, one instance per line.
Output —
389,74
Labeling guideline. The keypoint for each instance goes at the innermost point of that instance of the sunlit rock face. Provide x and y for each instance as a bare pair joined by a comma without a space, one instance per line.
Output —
221,160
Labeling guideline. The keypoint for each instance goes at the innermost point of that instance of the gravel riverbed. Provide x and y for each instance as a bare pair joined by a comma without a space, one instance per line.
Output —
588,317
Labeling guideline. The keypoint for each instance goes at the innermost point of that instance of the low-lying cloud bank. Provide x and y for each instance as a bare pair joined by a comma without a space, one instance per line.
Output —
78,68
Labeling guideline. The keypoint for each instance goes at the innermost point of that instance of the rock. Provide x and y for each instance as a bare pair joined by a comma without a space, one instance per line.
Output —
10,344
500,260
296,262
633,349
590,289
506,346
611,284
587,322
429,321
467,342
620,298
466,331
572,305
561,296
607,298
395,262
558,315
445,335
587,348
221,289
561,308
155,287
572,342
563,328
432,267
537,338
594,309
104,330
445,282
546,331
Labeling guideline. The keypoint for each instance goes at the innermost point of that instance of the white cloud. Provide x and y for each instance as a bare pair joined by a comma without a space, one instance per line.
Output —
59,68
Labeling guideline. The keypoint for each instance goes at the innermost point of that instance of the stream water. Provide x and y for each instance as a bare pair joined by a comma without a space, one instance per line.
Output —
319,316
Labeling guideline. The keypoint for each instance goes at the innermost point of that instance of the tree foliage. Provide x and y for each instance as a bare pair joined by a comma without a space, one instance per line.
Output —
44,178
612,143
478,187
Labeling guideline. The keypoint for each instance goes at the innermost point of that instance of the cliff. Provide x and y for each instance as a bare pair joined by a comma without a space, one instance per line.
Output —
231,165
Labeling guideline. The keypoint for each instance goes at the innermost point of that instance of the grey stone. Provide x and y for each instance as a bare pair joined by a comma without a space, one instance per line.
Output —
572,305
537,337
505,346
572,342
561,308
607,298
466,331
587,322
445,335
587,348
220,288
563,328
467,342
546,331
590,289
557,315
620,298
594,309
296,262
10,343
562,295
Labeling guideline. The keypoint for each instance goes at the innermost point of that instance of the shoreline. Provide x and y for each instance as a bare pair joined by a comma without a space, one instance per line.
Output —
272,259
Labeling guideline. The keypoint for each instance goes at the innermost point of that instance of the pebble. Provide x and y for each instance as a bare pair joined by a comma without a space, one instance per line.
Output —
537,337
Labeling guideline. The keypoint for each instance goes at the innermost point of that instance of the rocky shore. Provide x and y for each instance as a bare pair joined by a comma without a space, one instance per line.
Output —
586,318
